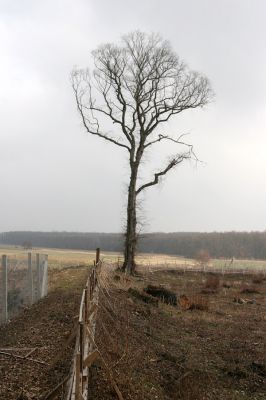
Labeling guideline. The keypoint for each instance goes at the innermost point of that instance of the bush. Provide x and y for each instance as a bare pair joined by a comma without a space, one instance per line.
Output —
143,297
203,257
249,290
212,282
194,302
258,279
163,294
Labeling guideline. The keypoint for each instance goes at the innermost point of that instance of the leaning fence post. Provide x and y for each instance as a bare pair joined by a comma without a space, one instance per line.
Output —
77,373
5,287
38,266
30,278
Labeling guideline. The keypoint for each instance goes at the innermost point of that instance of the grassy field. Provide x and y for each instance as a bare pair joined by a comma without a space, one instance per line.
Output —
60,258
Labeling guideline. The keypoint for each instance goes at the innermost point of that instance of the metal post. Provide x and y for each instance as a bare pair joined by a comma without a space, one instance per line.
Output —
45,275
38,266
5,287
30,277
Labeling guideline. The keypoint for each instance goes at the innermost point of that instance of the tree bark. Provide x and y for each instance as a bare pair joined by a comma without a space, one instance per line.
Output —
130,234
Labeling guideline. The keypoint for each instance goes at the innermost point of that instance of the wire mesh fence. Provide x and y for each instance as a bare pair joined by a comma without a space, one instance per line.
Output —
23,281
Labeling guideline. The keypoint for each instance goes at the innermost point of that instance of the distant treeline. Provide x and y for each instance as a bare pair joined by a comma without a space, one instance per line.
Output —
223,244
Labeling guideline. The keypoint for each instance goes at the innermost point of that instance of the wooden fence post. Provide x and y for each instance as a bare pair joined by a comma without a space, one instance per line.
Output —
5,287
30,276
77,383
86,305
38,266
97,255
81,341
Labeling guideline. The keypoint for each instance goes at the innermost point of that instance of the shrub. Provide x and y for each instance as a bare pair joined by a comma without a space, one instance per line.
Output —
163,294
258,279
194,302
143,296
249,290
226,285
212,282
203,257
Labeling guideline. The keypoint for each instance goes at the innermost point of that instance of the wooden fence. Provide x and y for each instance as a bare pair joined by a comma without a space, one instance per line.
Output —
76,385
85,351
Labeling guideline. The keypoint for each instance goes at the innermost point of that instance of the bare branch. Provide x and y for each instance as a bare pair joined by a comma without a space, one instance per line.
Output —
173,163
166,137
91,124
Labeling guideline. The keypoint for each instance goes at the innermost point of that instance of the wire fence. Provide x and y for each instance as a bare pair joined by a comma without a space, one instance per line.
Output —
75,386
23,281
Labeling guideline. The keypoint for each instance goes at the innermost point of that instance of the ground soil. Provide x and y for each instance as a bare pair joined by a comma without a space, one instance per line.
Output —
47,326
163,352
152,350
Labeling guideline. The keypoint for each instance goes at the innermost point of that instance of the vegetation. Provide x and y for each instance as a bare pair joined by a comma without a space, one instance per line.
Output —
136,88
207,346
203,257
241,245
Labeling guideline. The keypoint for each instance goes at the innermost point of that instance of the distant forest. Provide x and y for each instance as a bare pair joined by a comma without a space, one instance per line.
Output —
223,244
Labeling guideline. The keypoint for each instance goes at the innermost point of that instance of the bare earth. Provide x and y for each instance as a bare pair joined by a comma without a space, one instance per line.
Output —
46,327
164,352
152,351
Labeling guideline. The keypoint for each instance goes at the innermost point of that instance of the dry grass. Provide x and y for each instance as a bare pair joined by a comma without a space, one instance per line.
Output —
249,289
194,302
258,279
212,282
204,350
60,258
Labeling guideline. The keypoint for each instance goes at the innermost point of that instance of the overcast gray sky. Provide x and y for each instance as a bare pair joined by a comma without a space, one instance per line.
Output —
54,176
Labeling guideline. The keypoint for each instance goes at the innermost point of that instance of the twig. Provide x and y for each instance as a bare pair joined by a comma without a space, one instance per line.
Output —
54,391
22,358
30,352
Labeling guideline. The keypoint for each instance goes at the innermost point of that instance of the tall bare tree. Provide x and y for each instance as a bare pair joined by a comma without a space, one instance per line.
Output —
138,86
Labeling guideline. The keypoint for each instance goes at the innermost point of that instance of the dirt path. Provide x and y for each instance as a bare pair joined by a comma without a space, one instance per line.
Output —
45,327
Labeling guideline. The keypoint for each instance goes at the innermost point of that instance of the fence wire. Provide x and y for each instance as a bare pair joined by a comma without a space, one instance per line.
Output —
23,281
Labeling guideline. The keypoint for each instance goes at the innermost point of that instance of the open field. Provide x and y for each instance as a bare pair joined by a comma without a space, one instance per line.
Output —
60,258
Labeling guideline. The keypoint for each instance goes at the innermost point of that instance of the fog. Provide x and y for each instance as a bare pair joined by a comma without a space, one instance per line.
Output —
55,176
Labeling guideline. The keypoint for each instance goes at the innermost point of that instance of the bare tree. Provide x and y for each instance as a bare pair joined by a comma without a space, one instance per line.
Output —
138,86
203,257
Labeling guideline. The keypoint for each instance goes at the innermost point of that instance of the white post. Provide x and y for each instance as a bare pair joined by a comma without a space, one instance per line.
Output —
38,266
30,277
44,279
5,287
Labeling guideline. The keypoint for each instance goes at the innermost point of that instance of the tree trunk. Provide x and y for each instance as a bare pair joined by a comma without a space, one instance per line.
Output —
131,236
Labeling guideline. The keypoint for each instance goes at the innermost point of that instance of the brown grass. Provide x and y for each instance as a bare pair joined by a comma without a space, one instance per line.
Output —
194,302
249,289
168,353
258,279
212,282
